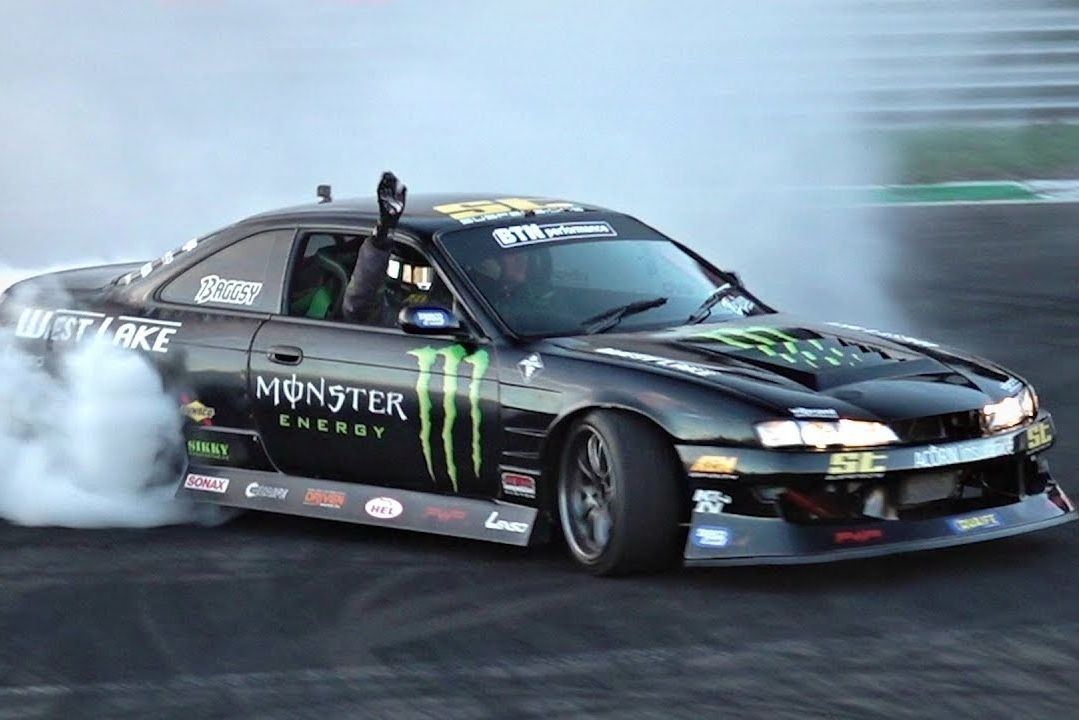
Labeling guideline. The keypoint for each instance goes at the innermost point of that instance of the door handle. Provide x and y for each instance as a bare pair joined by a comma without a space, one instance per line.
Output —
285,354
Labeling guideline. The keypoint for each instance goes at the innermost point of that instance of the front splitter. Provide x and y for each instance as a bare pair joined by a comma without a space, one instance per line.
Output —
740,540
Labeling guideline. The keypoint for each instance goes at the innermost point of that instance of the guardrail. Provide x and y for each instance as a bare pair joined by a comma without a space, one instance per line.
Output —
1004,62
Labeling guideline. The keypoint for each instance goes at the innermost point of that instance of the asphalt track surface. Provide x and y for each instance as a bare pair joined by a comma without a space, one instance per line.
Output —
274,617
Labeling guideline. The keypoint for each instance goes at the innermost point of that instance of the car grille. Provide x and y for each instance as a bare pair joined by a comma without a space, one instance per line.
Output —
939,428
907,496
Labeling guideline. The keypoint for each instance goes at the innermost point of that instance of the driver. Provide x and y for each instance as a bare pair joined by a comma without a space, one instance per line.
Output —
517,282
502,277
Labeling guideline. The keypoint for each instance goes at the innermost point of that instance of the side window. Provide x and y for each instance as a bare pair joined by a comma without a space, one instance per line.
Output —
321,271
323,267
246,275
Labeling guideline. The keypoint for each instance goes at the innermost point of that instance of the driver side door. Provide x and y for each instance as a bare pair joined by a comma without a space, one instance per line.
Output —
374,405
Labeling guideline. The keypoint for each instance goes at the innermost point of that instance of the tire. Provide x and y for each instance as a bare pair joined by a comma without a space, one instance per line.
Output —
618,495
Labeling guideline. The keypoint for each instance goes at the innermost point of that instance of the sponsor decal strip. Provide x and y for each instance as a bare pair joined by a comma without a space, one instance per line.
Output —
533,232
479,519
870,463
964,452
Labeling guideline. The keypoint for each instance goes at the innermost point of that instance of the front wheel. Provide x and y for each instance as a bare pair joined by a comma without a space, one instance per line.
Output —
618,493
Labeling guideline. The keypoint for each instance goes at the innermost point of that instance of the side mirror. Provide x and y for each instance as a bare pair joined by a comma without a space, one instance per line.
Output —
429,320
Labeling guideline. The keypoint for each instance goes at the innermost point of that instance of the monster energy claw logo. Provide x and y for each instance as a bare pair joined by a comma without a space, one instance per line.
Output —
452,356
776,343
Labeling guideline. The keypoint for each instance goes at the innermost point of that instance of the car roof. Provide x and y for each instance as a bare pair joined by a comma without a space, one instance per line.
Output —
420,215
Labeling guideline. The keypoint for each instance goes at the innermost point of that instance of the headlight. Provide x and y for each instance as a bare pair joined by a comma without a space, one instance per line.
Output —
1028,400
817,433
1010,411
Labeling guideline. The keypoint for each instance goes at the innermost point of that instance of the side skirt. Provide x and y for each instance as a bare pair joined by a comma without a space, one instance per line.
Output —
477,519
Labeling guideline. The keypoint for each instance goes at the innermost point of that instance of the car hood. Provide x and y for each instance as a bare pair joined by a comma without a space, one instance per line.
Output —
781,362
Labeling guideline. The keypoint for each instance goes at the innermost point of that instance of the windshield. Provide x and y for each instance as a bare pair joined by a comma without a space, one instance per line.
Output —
624,275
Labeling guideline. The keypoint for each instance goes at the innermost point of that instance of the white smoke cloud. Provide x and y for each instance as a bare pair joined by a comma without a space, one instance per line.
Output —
90,437
87,446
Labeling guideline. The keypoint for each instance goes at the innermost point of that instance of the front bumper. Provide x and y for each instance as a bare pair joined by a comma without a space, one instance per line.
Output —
740,540
739,514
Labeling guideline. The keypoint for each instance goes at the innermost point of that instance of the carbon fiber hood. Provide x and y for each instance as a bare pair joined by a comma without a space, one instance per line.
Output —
782,361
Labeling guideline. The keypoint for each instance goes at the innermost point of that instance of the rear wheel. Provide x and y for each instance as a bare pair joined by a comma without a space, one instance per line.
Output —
618,493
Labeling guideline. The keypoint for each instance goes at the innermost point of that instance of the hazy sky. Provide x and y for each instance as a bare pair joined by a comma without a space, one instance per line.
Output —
131,125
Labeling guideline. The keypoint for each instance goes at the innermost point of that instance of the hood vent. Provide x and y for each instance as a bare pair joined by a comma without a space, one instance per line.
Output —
795,347
809,358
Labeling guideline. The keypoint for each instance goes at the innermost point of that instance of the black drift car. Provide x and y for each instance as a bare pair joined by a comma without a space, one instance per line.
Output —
556,368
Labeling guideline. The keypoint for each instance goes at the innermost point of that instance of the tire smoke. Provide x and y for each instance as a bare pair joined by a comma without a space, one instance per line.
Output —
90,441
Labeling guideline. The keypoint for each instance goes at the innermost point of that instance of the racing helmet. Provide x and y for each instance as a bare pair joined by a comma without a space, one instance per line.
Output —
409,279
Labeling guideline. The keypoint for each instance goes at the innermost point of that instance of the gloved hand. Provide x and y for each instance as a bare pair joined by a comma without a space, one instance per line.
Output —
391,200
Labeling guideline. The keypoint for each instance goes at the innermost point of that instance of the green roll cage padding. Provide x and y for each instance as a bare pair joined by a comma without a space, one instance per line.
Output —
319,304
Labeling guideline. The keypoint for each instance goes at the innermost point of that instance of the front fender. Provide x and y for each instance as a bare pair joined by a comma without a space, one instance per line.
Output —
687,412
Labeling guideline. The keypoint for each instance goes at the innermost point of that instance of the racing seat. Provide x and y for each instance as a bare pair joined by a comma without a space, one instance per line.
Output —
320,281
